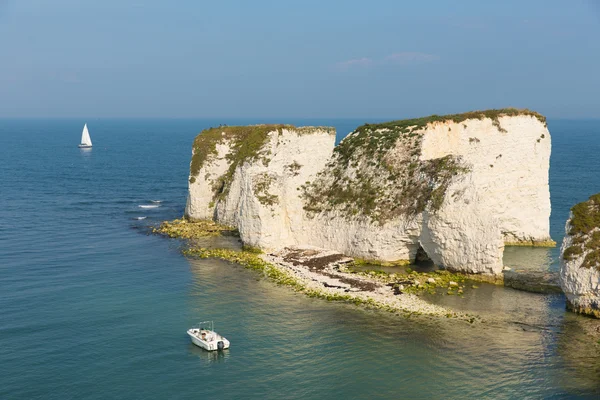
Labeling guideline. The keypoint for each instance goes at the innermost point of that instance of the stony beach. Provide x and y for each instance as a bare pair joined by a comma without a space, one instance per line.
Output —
328,274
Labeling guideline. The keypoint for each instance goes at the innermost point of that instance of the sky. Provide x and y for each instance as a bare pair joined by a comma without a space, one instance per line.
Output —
297,59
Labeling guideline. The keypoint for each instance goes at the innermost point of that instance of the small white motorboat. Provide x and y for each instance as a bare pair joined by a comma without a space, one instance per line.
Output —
203,335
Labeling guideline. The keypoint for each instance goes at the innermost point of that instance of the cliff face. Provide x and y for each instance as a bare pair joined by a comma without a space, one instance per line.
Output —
458,186
251,179
580,258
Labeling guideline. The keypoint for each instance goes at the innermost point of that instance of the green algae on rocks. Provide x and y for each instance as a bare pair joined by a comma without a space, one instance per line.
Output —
578,309
379,263
531,243
251,260
186,229
585,233
417,282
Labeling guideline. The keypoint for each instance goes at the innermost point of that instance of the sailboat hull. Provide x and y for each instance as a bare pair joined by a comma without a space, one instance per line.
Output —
85,146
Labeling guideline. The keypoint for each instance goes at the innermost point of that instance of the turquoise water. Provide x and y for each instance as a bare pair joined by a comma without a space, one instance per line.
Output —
93,307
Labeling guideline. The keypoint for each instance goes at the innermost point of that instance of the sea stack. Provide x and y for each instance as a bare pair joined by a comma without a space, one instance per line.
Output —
580,258
456,188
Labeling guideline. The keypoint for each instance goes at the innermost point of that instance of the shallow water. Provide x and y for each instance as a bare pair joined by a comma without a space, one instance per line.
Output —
91,306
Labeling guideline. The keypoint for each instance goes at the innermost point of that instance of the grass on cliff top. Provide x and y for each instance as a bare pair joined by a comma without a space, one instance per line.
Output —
366,136
586,216
247,141
457,118
364,177
585,225
246,144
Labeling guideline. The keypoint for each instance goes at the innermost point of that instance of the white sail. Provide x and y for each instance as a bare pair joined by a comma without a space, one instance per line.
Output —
85,137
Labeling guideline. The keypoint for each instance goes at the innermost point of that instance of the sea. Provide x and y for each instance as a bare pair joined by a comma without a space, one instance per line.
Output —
94,306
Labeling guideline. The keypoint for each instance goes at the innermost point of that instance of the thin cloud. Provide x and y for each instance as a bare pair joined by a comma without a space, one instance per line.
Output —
403,58
406,58
357,62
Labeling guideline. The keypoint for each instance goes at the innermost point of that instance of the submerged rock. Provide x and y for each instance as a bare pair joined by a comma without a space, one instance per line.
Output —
454,187
580,258
532,281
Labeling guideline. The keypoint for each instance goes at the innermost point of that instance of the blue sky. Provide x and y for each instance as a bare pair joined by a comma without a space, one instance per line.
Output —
296,59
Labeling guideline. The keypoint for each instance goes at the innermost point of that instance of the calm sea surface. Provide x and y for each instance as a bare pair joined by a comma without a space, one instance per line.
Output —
93,307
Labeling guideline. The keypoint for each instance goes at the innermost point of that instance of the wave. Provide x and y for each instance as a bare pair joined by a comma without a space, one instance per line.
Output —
139,218
148,206
156,201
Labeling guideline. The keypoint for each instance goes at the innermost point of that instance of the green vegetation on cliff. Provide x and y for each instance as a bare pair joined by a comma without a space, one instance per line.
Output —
585,232
246,144
261,185
376,171
419,123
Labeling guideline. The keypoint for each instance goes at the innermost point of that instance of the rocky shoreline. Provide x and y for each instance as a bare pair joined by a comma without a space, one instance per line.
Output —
323,274
328,274
332,276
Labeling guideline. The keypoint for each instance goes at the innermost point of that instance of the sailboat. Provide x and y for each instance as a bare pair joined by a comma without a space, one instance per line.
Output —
86,141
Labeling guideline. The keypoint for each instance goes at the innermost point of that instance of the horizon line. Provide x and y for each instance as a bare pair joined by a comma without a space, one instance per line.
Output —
388,118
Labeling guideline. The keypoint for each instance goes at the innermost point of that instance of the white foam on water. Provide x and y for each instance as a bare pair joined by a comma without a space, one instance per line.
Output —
156,201
148,206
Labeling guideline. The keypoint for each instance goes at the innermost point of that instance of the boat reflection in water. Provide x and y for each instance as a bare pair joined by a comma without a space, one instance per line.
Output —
209,356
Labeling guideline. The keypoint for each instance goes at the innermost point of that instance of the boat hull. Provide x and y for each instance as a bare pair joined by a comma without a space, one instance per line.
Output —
85,146
209,345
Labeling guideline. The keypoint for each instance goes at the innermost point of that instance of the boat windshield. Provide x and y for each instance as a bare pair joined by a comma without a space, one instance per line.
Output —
205,326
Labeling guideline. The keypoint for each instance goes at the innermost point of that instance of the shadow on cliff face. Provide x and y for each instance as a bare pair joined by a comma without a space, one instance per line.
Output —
422,261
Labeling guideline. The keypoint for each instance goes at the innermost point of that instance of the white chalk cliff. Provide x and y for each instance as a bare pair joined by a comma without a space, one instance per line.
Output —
459,186
580,258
